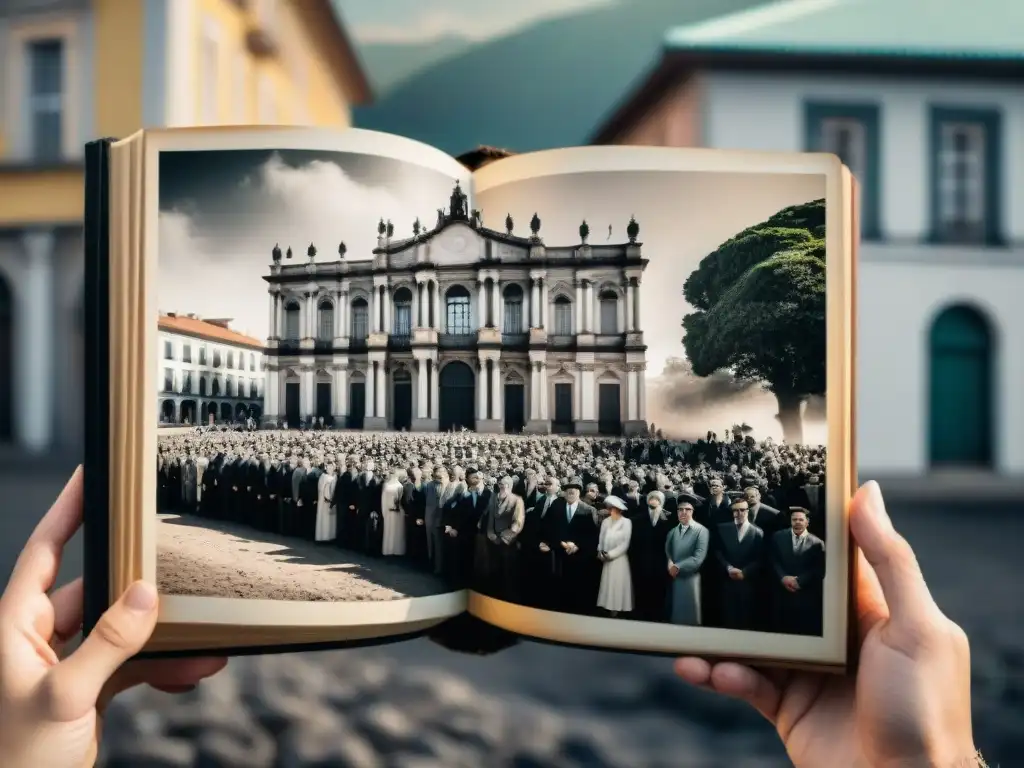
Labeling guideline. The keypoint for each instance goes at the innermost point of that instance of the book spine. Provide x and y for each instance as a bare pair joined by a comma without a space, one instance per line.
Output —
96,561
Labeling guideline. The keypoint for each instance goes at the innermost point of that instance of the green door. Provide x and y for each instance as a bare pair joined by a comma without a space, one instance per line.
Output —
960,402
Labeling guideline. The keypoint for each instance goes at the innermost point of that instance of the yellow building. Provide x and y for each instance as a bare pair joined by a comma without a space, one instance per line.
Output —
75,70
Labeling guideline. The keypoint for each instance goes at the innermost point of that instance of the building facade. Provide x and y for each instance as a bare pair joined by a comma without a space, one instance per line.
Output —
207,373
458,327
936,137
72,71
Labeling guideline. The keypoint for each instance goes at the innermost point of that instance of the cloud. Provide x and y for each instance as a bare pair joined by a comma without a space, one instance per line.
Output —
216,268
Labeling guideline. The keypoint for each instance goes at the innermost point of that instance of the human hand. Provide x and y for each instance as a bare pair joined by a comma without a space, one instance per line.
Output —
910,702
51,705
673,570
544,547
790,583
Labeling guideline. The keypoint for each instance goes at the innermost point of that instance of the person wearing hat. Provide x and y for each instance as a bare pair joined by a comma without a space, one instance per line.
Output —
615,592
571,534
740,557
686,549
651,526
797,559
461,528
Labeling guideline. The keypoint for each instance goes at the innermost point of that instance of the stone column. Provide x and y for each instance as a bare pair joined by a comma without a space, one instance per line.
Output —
271,395
436,325
543,309
587,392
345,313
620,317
534,303
421,389
371,394
271,326
588,295
543,383
629,306
34,342
481,391
418,309
435,390
633,395
389,310
313,300
636,305
497,391
535,392
415,309
580,314
642,393
382,388
374,313
496,306
340,394
305,401
481,302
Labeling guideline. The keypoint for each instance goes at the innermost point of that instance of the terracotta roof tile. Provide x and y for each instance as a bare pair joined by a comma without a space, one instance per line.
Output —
193,326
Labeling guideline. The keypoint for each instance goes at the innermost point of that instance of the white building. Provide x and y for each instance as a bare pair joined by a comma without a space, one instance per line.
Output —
207,372
925,102
460,326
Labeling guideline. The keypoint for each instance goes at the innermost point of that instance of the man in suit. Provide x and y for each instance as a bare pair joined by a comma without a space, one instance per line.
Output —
434,497
798,567
415,522
647,559
740,556
768,519
571,533
369,520
285,501
347,500
537,561
717,507
295,513
310,498
462,526
686,549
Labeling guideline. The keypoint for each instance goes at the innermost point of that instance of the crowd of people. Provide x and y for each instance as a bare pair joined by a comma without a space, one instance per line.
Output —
724,532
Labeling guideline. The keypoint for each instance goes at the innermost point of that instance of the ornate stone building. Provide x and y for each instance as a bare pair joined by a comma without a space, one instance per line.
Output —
460,326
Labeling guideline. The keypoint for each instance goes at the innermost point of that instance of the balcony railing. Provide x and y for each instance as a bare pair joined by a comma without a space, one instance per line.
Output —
561,341
288,345
515,339
399,341
456,340
357,345
323,345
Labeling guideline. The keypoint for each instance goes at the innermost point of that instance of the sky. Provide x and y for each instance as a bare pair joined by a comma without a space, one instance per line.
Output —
683,217
221,213
400,21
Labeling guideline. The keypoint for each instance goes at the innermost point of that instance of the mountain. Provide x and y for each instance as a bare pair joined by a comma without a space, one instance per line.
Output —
547,85
389,64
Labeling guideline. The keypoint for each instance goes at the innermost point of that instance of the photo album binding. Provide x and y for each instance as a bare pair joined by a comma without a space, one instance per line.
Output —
343,388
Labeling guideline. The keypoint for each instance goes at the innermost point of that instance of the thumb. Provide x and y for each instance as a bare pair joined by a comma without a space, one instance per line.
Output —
74,685
892,559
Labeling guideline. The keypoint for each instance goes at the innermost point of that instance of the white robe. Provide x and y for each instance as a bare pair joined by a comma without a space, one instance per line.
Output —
326,515
616,592
394,519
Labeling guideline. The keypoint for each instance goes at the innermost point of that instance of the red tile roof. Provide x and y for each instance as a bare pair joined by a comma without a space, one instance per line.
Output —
201,329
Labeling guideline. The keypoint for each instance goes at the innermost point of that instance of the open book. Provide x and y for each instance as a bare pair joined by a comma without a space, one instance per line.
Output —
342,389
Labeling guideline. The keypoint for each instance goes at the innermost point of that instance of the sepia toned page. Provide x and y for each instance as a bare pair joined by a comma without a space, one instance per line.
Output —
666,332
292,329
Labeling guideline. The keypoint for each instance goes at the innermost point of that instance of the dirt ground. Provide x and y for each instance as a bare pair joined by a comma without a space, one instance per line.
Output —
215,559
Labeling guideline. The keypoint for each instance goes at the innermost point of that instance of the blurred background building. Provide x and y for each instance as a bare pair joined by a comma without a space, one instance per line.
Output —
76,70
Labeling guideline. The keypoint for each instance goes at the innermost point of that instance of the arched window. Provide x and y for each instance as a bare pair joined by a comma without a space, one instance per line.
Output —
231,359
253,391
458,317
563,317
513,320
360,319
202,386
215,392
325,320
252,361
291,321
403,313
609,312
229,390
216,358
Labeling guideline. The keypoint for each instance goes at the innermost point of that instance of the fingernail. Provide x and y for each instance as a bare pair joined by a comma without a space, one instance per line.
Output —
141,597
877,503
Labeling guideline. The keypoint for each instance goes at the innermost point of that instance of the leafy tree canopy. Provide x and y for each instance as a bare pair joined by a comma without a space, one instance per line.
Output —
760,305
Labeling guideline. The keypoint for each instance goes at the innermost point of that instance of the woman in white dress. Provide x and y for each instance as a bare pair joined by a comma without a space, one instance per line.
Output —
394,519
616,592
326,515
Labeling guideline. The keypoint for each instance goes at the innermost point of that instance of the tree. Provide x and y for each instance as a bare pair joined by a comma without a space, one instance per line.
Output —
760,309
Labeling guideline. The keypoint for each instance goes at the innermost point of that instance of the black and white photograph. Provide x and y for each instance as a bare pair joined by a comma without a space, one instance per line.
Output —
598,394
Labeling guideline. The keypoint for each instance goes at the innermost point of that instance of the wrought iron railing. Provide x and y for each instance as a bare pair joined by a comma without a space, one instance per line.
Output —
399,341
515,339
357,345
456,340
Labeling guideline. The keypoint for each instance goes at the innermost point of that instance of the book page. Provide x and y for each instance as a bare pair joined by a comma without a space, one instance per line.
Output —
669,331
289,265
